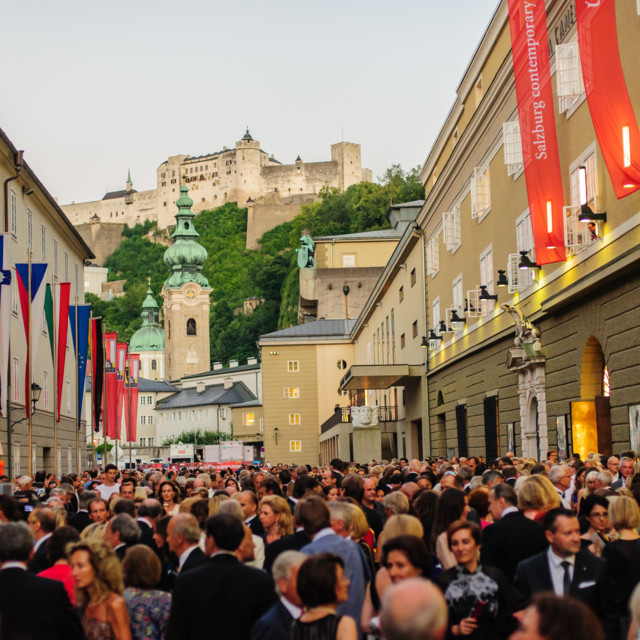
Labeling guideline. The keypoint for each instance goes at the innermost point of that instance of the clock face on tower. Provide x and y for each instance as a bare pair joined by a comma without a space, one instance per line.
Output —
190,292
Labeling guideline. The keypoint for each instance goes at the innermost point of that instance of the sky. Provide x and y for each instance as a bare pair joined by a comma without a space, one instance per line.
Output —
92,89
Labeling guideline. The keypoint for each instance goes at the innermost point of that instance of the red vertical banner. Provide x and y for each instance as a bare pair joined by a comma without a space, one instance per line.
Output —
131,397
121,361
97,370
529,43
607,94
110,384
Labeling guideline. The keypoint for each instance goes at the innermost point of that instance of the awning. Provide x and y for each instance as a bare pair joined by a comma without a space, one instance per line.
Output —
379,376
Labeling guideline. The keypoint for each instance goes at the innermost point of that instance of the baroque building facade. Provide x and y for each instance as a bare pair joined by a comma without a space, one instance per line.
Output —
242,174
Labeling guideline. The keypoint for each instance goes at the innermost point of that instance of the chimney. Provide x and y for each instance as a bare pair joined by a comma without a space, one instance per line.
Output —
199,386
228,383
233,363
252,360
217,366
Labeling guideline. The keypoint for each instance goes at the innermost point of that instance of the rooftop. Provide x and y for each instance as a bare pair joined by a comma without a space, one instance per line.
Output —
316,329
214,394
112,195
215,372
379,234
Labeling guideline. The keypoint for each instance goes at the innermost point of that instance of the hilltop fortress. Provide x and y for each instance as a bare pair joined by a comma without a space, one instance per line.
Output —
272,191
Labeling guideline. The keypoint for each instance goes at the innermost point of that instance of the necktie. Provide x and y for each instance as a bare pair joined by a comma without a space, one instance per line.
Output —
566,581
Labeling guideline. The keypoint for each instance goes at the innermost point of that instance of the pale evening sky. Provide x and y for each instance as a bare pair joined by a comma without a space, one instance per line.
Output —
92,88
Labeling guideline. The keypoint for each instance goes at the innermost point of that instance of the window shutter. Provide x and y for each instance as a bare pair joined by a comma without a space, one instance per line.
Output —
474,304
519,279
451,228
512,146
576,233
480,192
461,427
568,75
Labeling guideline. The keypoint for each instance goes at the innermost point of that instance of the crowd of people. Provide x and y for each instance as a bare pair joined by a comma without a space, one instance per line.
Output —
399,550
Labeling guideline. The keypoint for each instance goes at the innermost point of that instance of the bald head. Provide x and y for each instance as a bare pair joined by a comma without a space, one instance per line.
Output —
413,609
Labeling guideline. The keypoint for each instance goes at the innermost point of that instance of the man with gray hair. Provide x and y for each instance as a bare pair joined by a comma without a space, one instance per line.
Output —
122,532
341,518
183,536
560,477
31,607
414,609
604,480
276,623
395,503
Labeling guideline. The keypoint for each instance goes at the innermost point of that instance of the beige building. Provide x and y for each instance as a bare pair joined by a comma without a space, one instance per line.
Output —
571,371
37,226
239,174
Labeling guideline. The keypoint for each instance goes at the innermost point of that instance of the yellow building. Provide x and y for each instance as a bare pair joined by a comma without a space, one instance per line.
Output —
572,370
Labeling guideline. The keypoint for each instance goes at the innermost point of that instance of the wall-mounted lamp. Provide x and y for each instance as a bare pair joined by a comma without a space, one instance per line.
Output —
36,390
502,278
525,262
434,340
276,431
425,343
586,214
485,295
273,353
443,327
468,307
27,191
345,289
457,323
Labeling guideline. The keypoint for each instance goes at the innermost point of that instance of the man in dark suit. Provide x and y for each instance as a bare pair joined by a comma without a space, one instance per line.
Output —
52,618
81,520
122,532
276,623
294,542
249,503
42,523
183,536
148,513
513,538
223,590
564,568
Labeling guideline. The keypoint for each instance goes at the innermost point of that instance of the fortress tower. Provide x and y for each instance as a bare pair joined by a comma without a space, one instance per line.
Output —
186,297
248,167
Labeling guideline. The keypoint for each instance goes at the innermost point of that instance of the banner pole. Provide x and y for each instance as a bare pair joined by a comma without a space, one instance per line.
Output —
54,357
78,391
28,372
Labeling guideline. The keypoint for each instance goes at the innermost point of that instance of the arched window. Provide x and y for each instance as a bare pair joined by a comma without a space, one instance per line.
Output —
191,327
154,366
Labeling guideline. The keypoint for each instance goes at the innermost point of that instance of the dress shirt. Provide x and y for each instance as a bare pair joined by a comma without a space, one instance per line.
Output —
509,510
13,564
295,612
557,570
39,543
184,555
327,531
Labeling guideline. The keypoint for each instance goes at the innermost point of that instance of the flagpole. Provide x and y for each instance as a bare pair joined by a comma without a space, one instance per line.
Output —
28,372
105,402
129,409
54,356
78,417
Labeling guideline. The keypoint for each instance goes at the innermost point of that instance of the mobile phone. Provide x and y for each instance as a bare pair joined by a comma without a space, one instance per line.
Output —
477,610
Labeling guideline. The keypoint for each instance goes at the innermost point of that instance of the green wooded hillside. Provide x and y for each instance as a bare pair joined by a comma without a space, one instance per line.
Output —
236,273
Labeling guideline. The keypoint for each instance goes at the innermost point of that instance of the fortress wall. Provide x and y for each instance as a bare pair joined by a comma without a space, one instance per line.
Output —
102,238
263,217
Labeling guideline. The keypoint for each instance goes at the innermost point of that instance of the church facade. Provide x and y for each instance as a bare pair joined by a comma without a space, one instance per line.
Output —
242,174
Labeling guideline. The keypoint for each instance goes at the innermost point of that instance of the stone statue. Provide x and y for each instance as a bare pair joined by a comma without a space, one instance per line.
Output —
364,416
526,332
305,253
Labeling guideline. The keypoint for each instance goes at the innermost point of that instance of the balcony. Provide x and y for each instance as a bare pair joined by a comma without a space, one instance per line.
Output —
388,414
341,414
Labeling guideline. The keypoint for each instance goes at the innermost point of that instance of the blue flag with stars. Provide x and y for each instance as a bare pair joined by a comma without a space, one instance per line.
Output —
80,345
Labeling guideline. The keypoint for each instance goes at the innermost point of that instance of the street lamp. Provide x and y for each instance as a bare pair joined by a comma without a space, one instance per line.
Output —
36,390
275,433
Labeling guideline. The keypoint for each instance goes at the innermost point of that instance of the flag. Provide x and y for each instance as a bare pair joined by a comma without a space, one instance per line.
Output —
5,316
97,371
29,277
110,384
131,398
57,317
120,367
79,315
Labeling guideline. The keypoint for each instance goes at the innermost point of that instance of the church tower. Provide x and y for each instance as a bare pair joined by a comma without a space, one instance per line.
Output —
148,340
186,298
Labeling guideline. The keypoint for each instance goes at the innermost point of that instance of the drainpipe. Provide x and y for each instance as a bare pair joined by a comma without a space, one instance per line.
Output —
17,165
426,362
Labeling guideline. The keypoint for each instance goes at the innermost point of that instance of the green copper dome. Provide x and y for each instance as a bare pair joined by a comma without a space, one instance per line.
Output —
186,255
150,336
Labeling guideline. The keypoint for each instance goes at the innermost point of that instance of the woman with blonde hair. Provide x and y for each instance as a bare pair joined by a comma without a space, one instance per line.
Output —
95,531
275,516
358,532
97,576
536,496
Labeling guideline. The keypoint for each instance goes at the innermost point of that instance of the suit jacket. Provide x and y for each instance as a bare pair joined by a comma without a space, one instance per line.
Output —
274,625
355,568
256,527
196,559
146,535
511,540
39,561
533,576
294,542
618,484
79,521
52,617
231,594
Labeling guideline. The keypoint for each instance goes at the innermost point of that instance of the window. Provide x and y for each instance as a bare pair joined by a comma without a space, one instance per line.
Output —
524,235
349,261
414,329
451,232
512,147
342,364
433,256
55,258
401,294
154,365
486,278
402,341
222,413
569,83
294,418
66,267
16,380
520,279
43,243
577,233
435,315
143,442
458,298
149,400
29,229
191,327
295,446
480,192
413,276
292,392
248,419
143,399
143,419
293,366
14,213
151,442
150,419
